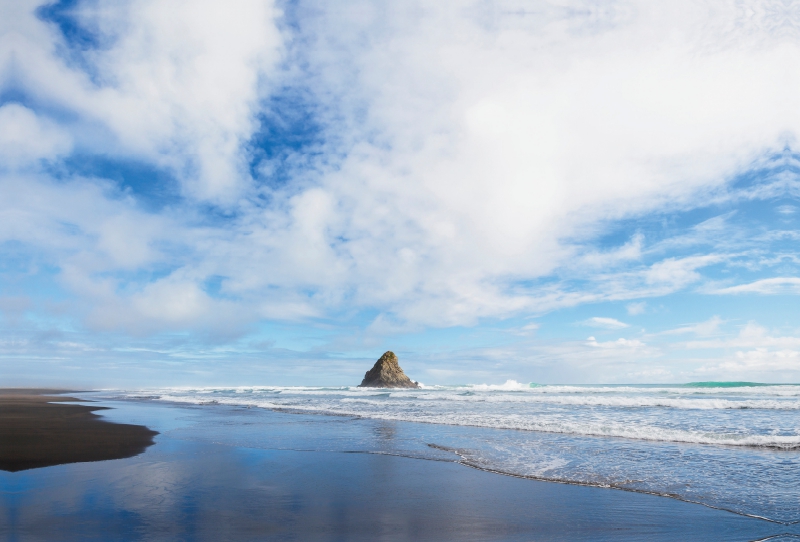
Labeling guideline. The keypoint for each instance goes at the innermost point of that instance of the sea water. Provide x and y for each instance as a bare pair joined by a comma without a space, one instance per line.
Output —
734,446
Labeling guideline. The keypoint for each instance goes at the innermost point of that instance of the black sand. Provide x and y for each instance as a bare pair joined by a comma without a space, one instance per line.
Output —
35,432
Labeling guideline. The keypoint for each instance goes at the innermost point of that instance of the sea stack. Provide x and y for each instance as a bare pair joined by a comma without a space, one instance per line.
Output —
386,373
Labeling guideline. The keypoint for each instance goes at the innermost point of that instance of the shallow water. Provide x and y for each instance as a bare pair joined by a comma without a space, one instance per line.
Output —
236,473
735,447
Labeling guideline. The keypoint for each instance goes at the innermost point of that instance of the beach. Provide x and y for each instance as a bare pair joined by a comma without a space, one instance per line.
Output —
38,430
235,473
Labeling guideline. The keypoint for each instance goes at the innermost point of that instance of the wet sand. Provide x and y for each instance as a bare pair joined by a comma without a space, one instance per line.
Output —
220,473
36,432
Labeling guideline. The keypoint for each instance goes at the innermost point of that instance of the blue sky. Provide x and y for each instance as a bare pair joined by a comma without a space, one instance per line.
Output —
276,193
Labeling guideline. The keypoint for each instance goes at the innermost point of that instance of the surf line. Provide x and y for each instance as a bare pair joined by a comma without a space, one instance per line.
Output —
467,463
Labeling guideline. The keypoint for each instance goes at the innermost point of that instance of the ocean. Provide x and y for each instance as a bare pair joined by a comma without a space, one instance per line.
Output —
733,446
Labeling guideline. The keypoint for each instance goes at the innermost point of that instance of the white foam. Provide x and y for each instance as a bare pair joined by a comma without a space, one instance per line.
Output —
655,414
509,385
621,436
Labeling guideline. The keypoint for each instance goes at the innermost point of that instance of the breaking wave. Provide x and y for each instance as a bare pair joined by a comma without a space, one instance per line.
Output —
730,413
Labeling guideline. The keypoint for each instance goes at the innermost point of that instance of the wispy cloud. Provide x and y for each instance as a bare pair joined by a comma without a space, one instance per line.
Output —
703,328
607,323
619,343
770,286
638,307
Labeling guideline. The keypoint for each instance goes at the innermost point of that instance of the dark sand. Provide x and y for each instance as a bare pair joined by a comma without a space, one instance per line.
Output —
35,432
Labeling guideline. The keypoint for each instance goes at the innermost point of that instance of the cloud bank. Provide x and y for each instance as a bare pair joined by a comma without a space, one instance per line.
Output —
196,170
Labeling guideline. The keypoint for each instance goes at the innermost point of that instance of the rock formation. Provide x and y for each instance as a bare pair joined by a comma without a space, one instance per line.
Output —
386,373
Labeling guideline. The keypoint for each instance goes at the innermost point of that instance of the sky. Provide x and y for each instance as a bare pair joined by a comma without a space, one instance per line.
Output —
276,192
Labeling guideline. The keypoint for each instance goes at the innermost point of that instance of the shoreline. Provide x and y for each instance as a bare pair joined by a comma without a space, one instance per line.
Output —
245,474
464,461
38,430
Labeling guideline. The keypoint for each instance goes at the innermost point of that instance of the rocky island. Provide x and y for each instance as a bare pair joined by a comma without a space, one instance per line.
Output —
386,373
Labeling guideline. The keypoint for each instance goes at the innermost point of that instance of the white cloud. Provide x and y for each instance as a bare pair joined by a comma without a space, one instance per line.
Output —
469,152
771,286
761,360
607,323
630,251
526,330
751,335
474,163
709,327
619,343
675,273
636,308
173,83
759,365
24,137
